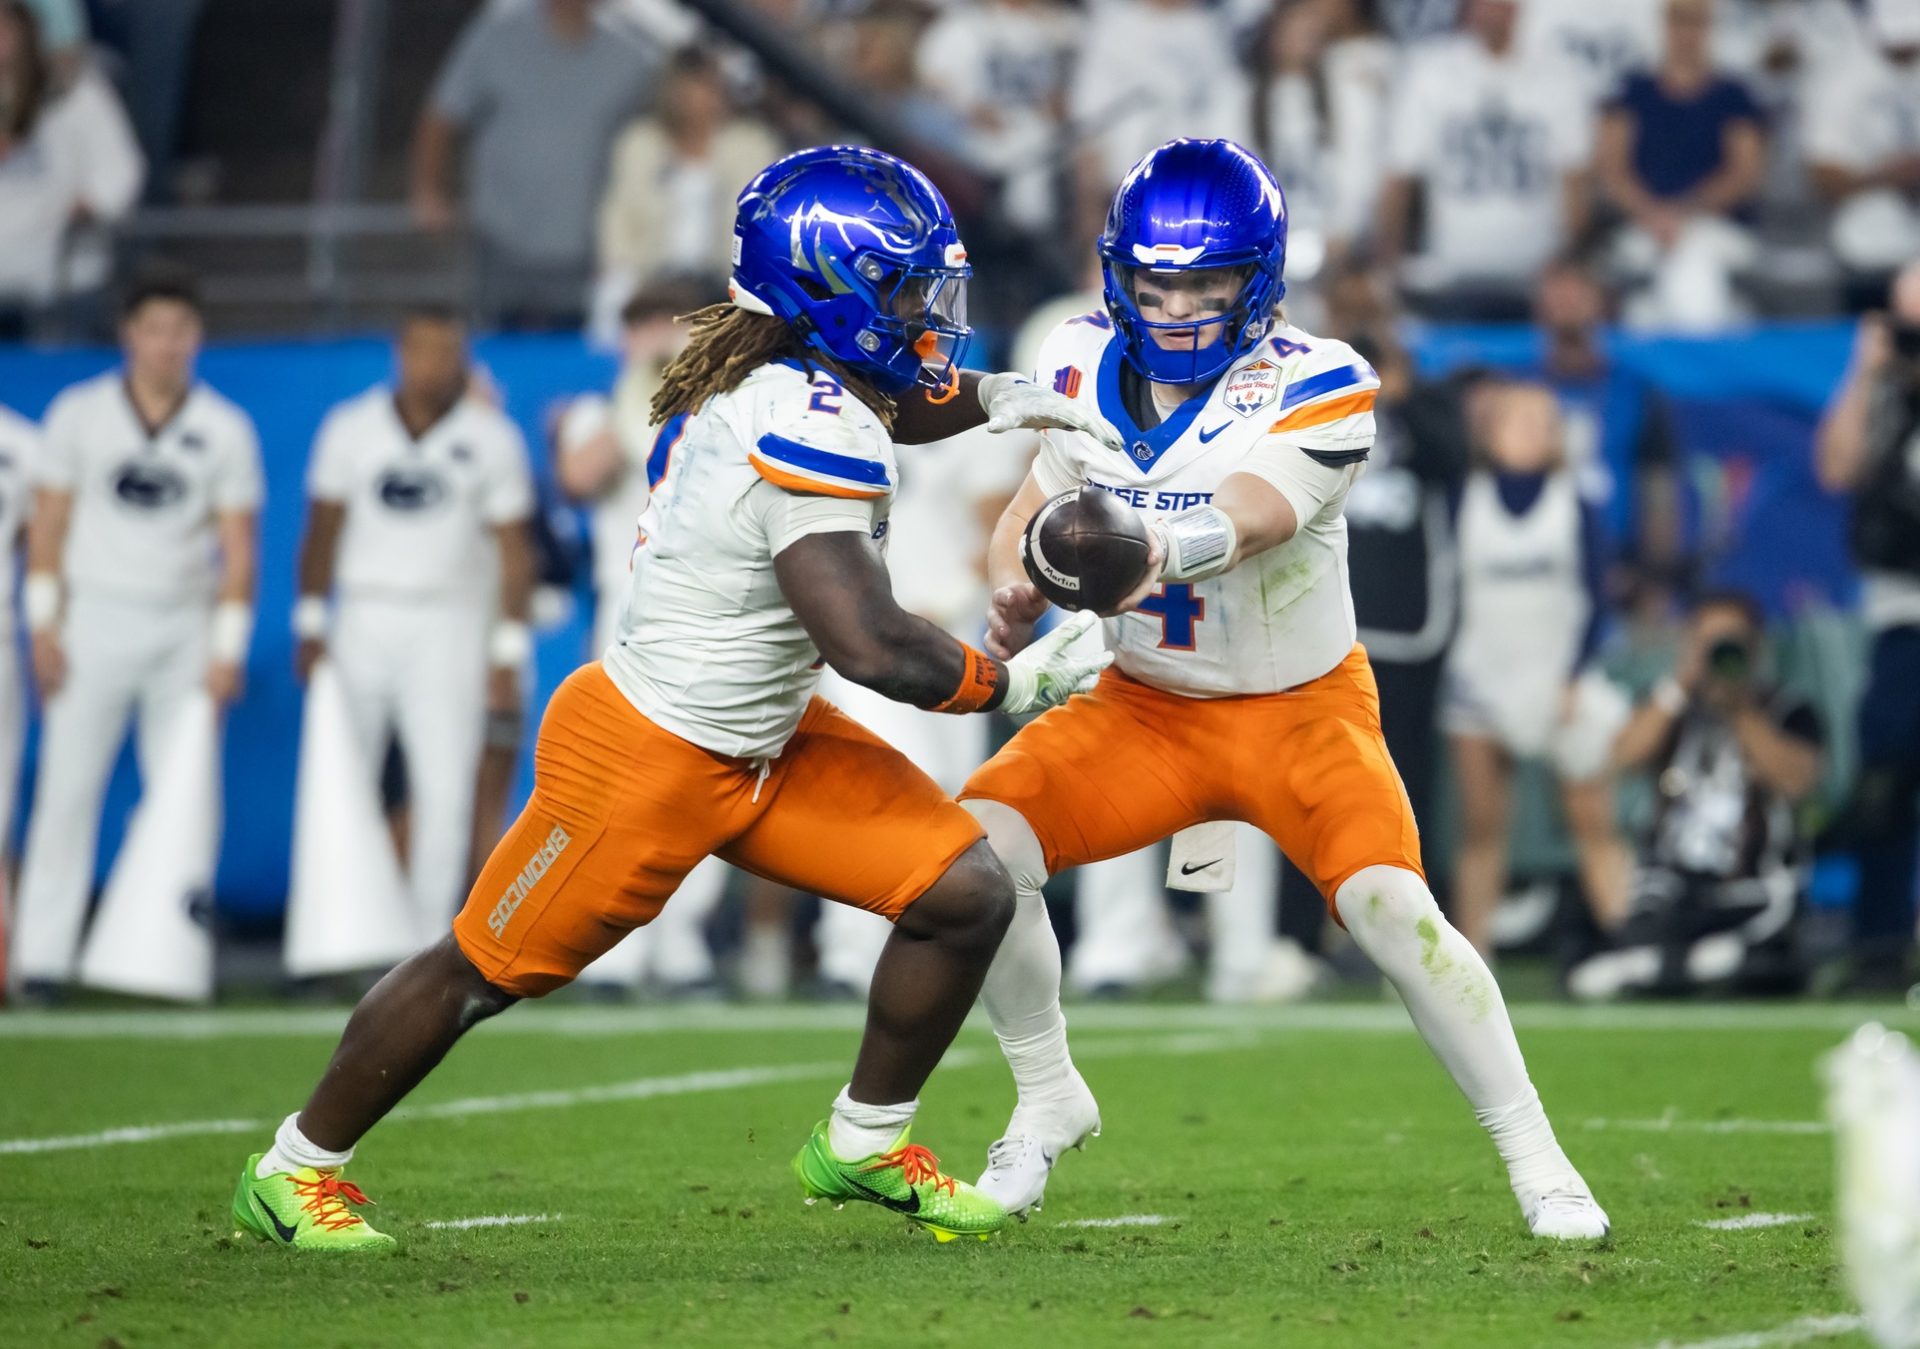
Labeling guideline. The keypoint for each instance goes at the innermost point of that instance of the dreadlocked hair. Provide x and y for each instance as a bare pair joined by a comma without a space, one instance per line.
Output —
728,344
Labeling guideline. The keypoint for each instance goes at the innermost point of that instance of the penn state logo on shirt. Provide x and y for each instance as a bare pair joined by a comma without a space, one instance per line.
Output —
411,489
1252,387
147,485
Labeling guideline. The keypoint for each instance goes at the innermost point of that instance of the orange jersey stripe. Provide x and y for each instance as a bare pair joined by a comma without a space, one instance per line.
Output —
1319,414
793,482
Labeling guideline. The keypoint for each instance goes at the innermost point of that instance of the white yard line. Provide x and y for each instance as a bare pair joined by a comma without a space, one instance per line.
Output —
492,1220
1381,1017
1793,1332
640,1089
1670,1125
1750,1220
1124,1220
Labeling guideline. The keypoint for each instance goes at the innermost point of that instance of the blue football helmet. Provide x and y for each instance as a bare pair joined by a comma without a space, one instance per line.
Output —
857,251
1191,212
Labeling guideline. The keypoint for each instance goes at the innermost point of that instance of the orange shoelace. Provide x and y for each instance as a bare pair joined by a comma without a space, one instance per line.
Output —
326,1197
916,1164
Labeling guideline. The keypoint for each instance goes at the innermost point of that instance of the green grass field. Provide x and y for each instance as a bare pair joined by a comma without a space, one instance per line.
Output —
1299,1177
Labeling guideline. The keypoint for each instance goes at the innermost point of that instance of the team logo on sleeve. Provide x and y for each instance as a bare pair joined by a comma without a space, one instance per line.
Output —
410,489
1066,380
148,486
1252,387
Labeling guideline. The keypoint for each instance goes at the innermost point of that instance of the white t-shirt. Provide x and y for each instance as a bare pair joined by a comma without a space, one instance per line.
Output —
1297,412
145,498
419,512
1861,109
1332,172
19,452
710,649
1492,140
81,154
1605,40
1147,75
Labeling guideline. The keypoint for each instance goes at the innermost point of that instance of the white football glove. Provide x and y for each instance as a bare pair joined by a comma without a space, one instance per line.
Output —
1046,675
1013,401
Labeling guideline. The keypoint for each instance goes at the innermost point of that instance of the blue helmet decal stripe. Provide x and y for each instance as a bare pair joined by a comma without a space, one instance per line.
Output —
823,463
1329,381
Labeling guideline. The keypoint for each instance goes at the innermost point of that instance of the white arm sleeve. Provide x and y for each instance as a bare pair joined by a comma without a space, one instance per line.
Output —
1308,485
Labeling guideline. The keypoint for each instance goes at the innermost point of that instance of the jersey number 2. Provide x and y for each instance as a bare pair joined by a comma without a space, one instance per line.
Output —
827,394
1178,611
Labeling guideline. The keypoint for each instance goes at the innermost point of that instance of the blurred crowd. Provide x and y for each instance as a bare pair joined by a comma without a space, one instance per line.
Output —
1520,568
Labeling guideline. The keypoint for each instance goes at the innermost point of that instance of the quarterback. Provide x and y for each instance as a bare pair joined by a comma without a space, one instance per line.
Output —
699,733
1238,691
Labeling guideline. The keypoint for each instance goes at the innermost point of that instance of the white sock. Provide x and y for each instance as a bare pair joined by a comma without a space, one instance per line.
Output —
856,1131
1457,1008
1022,989
292,1150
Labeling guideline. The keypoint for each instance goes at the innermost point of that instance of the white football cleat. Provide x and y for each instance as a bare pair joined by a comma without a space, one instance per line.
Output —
1020,1162
1564,1211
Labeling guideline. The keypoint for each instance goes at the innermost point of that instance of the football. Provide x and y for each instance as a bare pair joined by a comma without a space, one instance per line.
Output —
1085,549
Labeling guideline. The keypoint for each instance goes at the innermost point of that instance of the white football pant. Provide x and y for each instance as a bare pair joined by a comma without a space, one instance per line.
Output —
123,655
417,669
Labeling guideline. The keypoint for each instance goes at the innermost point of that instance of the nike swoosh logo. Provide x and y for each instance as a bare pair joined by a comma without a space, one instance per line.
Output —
1188,868
1206,436
897,1205
287,1234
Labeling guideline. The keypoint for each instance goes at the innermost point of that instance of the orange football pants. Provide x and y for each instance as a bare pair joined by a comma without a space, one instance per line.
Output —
622,810
1129,764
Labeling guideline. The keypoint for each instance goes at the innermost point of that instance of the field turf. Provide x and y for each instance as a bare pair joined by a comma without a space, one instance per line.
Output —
1294,1177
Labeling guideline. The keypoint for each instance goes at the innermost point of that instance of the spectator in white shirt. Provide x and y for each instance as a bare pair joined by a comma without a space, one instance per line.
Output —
1862,139
1001,66
1499,144
1151,70
67,161
668,207
1322,70
1603,40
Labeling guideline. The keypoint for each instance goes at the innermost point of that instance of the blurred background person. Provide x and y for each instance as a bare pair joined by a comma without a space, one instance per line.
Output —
69,170
1600,41
1619,432
1861,134
19,454
1869,448
1722,865
538,93
1682,156
609,457
1322,75
1149,70
1519,683
416,492
141,568
668,207
1495,146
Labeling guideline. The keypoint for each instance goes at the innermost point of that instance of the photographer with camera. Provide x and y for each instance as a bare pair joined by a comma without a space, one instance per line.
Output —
1869,447
1722,866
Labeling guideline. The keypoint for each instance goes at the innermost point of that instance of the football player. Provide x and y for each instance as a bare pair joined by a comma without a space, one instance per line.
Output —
1238,690
698,733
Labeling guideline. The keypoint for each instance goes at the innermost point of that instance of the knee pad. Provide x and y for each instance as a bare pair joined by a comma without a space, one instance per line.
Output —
1014,842
1385,898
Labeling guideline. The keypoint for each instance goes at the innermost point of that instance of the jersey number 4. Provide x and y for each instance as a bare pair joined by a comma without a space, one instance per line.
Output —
1178,612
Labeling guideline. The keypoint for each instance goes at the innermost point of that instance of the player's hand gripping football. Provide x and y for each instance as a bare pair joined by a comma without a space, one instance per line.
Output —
1046,674
1012,402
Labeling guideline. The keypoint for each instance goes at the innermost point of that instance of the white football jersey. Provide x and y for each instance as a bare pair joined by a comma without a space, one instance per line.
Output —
1297,412
419,512
19,452
145,498
709,648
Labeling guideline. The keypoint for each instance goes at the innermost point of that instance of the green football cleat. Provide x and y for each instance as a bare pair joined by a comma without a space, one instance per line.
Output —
906,1179
304,1209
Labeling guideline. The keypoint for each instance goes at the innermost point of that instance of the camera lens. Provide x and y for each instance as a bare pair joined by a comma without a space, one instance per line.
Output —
1729,659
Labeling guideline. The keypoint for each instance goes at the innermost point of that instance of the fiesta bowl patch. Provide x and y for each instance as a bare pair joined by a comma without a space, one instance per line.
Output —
1252,387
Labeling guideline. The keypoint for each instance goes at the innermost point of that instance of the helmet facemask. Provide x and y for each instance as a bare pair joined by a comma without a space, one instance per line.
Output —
1186,324
919,330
